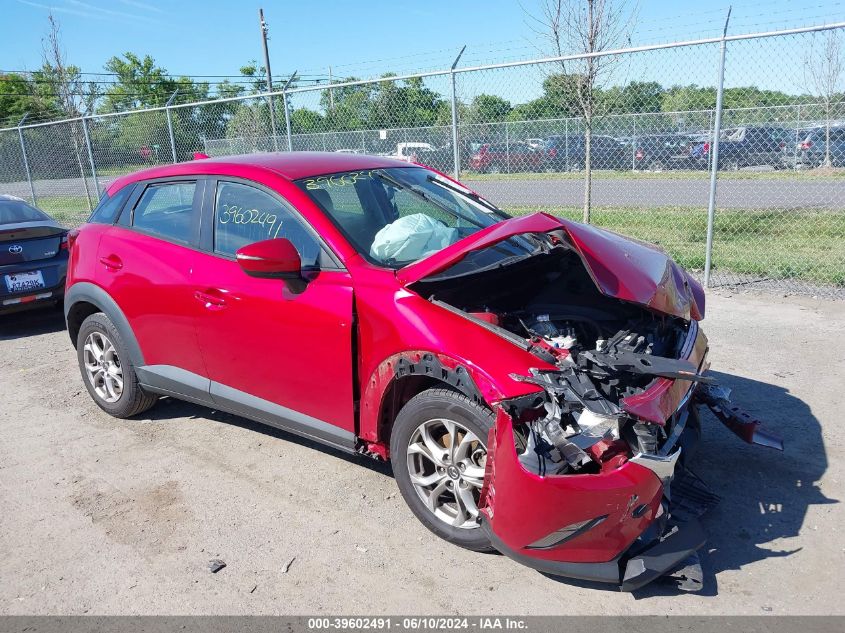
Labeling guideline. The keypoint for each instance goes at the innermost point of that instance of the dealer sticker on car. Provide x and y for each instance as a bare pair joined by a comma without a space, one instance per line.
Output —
21,282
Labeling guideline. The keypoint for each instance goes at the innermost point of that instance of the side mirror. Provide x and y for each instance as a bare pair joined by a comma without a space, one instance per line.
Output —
271,259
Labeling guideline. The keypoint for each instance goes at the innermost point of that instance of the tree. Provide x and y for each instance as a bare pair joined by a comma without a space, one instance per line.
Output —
139,83
74,97
488,109
588,27
21,95
824,68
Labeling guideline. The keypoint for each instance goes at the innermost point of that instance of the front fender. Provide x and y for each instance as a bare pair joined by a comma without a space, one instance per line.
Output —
455,372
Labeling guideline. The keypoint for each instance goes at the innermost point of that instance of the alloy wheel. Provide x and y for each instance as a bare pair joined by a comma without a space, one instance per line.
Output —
446,464
102,367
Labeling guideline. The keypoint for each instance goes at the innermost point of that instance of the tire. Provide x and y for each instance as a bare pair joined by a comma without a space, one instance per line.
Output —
103,357
427,412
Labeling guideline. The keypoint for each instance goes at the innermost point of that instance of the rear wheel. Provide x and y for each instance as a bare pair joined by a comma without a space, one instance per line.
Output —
438,452
107,371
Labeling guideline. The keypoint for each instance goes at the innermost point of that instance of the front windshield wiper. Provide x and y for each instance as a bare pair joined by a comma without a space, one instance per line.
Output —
469,194
425,196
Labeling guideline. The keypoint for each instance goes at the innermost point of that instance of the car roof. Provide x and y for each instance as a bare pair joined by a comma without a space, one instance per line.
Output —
290,165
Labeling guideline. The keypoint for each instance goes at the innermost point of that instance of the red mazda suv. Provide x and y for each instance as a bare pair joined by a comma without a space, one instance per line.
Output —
533,381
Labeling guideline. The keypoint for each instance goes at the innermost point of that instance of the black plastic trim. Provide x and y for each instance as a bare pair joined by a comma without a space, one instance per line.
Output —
88,292
185,385
430,366
675,547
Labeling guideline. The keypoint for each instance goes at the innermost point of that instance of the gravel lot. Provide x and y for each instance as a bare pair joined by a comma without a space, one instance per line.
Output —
122,517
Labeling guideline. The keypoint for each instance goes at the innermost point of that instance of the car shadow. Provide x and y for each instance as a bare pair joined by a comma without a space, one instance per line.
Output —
31,323
168,408
765,494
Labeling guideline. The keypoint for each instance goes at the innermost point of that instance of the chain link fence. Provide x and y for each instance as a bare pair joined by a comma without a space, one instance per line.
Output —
520,134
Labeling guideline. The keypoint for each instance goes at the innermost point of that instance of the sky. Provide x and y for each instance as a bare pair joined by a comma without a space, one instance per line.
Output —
364,38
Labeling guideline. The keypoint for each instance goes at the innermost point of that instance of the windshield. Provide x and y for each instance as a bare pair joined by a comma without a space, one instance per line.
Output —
13,211
396,216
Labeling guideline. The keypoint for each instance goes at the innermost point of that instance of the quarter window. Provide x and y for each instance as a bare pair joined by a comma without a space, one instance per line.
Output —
167,210
244,215
106,212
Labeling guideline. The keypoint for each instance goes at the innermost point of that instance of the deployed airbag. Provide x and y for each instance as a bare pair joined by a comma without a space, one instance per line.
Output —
411,238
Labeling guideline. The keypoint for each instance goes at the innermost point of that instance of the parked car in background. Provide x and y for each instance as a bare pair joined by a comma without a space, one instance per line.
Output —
567,153
810,150
659,152
534,381
350,151
33,256
535,143
747,146
494,158
409,152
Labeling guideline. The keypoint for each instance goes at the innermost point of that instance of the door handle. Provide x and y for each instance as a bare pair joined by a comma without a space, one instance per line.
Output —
210,300
112,262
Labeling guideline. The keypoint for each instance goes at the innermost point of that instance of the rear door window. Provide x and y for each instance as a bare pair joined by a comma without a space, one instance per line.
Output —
167,210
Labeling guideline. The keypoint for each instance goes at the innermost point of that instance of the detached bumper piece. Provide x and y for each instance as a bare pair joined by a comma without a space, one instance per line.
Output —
671,553
741,423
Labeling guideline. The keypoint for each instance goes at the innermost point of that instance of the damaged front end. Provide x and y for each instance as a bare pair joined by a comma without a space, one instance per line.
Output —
589,477
604,451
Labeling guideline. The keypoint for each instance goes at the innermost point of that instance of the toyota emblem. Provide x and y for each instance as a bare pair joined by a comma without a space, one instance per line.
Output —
16,249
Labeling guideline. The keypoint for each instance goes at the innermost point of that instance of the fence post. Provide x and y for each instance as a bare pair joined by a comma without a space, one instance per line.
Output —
717,128
565,144
456,153
91,157
170,124
634,146
287,114
507,149
25,161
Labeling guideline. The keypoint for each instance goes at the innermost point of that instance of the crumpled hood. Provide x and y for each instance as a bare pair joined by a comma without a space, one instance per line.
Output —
621,267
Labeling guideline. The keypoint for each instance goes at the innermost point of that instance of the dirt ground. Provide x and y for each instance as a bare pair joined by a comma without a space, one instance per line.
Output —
104,516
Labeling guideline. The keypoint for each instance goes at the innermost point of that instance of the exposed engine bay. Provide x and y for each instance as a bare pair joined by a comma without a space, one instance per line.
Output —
601,351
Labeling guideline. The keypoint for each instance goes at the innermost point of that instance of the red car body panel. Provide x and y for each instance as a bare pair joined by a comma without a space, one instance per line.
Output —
396,322
150,279
522,507
263,339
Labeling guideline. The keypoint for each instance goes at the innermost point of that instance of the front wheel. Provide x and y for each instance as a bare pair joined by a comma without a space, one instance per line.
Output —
438,452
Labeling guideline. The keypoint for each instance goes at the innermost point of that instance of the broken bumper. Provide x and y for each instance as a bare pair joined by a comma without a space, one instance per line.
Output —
626,525
609,527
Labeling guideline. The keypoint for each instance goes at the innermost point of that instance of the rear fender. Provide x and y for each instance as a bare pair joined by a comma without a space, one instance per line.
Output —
86,292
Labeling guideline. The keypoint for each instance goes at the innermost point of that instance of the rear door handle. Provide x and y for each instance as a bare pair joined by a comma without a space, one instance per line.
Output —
112,262
210,299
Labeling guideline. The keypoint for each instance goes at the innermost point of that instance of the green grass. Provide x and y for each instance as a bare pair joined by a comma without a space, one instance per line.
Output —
805,245
120,171
68,210
687,174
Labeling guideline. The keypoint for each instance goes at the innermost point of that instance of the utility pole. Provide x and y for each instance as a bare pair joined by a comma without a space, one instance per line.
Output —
264,30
